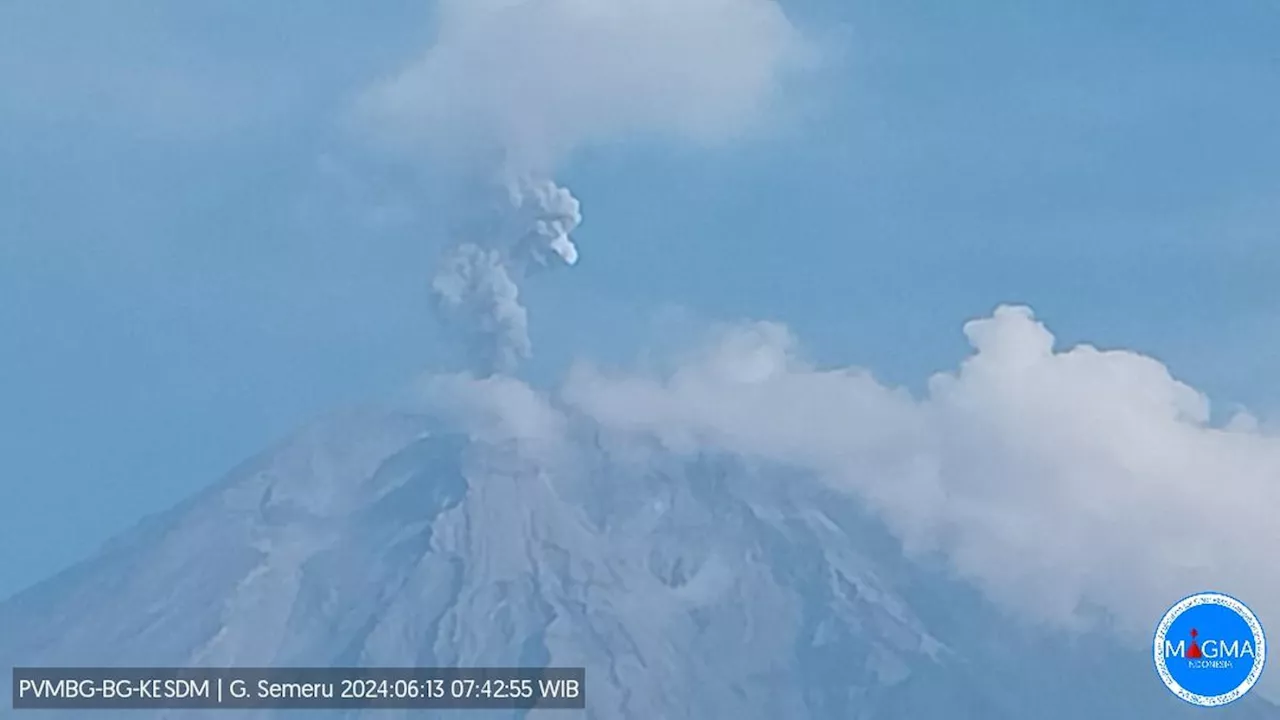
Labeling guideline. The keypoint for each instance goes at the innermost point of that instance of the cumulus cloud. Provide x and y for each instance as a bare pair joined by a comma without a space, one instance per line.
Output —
535,79
1058,480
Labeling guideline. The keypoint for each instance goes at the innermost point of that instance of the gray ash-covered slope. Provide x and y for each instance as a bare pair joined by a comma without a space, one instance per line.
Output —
688,587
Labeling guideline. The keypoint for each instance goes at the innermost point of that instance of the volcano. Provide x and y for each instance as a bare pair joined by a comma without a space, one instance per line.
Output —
688,585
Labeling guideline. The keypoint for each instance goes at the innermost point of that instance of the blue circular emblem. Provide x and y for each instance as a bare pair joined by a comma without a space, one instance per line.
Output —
1210,649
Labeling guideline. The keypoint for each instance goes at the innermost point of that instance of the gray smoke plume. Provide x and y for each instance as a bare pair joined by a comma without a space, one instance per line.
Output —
531,82
476,288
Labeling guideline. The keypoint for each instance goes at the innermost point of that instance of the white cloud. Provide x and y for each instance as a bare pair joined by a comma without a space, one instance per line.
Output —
535,79
1056,480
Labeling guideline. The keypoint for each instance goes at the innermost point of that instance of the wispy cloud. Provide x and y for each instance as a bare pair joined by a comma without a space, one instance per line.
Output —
535,80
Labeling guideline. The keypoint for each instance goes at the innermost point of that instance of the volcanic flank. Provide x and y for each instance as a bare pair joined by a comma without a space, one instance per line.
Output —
688,586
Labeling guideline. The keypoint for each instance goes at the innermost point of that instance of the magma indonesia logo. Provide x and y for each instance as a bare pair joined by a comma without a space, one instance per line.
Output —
1210,649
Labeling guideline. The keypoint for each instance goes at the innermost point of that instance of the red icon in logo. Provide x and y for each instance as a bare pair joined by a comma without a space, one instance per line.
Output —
1193,652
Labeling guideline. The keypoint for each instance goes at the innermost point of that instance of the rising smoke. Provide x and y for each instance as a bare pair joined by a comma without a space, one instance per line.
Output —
476,288
530,81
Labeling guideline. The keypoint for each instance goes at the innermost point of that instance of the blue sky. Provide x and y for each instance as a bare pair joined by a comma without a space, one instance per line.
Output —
185,277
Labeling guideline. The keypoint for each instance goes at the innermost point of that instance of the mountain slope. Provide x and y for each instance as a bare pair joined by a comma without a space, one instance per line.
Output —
689,587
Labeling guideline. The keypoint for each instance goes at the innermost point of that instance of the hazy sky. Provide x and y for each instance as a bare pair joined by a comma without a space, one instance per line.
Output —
196,256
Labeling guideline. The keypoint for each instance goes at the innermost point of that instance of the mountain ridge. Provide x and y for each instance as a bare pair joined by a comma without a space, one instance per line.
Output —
689,586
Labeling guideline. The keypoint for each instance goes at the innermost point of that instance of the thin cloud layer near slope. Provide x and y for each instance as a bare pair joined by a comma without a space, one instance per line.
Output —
1062,482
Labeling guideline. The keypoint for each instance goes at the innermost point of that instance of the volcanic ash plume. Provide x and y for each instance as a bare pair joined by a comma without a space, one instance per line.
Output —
531,82
477,290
